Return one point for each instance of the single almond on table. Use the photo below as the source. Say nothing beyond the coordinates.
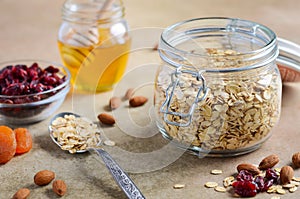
(59, 187)
(137, 101)
(114, 103)
(296, 159)
(155, 47)
(286, 174)
(129, 93)
(268, 162)
(43, 177)
(249, 167)
(22, 194)
(106, 118)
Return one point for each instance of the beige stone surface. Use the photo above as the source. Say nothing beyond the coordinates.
(28, 30)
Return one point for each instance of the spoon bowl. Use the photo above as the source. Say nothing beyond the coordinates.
(120, 176)
(62, 115)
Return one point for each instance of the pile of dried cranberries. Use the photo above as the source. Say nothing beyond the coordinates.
(246, 185)
(20, 80)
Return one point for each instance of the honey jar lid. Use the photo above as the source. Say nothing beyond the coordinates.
(288, 60)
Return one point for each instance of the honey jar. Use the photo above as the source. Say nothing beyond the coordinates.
(94, 43)
(218, 90)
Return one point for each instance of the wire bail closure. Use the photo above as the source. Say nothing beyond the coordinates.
(201, 95)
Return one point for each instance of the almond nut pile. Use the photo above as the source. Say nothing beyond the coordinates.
(43, 178)
(239, 110)
(115, 102)
(251, 179)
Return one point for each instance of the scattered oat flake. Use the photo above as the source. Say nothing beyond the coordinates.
(293, 189)
(229, 178)
(281, 191)
(273, 189)
(287, 186)
(297, 179)
(216, 171)
(277, 169)
(178, 186)
(275, 197)
(220, 189)
(226, 184)
(295, 183)
(228, 181)
(211, 184)
(109, 143)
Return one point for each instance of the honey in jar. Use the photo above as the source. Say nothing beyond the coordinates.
(94, 43)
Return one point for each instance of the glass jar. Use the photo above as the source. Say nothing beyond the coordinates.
(218, 91)
(288, 60)
(93, 41)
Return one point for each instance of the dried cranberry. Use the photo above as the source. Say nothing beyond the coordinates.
(262, 184)
(7, 101)
(272, 175)
(33, 74)
(20, 101)
(48, 80)
(52, 69)
(19, 73)
(268, 184)
(36, 68)
(244, 175)
(245, 188)
(13, 89)
(37, 88)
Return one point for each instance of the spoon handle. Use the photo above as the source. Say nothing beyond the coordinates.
(123, 180)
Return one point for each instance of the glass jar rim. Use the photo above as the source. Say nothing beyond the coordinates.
(96, 12)
(270, 46)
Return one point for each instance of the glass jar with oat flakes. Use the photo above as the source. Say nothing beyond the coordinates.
(218, 91)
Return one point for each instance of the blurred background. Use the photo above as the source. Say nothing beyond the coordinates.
(29, 27)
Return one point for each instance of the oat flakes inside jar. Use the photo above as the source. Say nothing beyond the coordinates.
(218, 91)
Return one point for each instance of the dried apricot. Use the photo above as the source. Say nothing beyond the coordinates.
(24, 140)
(7, 144)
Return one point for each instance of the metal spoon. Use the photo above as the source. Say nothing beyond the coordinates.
(120, 176)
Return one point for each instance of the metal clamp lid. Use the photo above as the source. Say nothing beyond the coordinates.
(200, 96)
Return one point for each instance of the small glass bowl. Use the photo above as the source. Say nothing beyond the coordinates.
(43, 103)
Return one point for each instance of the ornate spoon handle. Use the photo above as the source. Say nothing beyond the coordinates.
(123, 180)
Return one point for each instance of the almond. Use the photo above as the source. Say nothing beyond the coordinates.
(155, 47)
(296, 159)
(249, 167)
(137, 101)
(59, 187)
(268, 162)
(129, 93)
(44, 177)
(286, 174)
(21, 194)
(106, 119)
(114, 103)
